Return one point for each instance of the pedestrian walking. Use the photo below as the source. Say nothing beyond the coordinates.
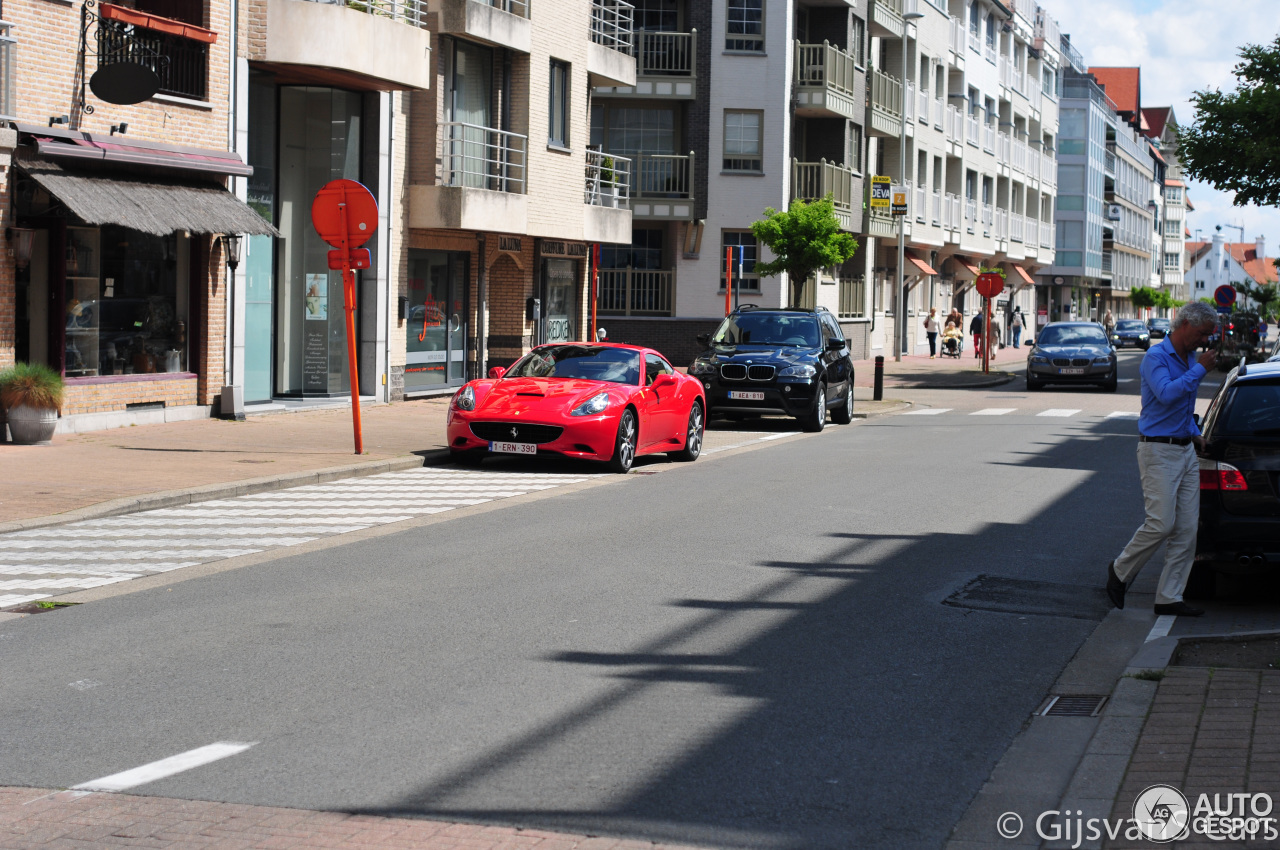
(1262, 331)
(931, 331)
(975, 328)
(1015, 325)
(994, 339)
(1109, 322)
(956, 318)
(1167, 462)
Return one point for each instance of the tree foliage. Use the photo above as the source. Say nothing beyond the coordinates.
(805, 238)
(1234, 144)
(1262, 296)
(1145, 296)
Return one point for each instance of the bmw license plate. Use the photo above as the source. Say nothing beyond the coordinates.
(514, 448)
(1070, 371)
(745, 396)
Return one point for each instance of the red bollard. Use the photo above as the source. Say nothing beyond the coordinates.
(879, 388)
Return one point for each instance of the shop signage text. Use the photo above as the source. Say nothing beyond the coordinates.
(554, 248)
(510, 244)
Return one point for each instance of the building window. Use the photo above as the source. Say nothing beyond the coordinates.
(745, 26)
(558, 132)
(744, 241)
(857, 40)
(853, 154)
(742, 141)
(1172, 260)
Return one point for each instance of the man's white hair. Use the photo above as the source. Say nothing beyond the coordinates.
(1197, 313)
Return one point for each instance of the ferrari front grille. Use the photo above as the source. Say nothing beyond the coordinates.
(516, 432)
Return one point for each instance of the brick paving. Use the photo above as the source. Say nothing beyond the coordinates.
(40, 818)
(1209, 731)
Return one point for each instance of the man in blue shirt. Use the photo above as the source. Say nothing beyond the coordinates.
(1167, 461)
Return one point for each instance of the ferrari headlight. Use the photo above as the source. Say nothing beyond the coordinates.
(596, 404)
(465, 399)
(800, 371)
(702, 367)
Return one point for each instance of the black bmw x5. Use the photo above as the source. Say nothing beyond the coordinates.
(788, 362)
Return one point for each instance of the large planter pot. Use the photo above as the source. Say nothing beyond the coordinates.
(32, 427)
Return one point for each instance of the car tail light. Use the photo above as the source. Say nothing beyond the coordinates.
(1221, 476)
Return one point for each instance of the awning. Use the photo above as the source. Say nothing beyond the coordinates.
(151, 206)
(1022, 273)
(924, 267)
(75, 145)
(967, 265)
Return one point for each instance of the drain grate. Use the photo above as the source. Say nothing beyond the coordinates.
(1005, 595)
(1084, 705)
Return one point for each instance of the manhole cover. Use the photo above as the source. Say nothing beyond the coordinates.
(1023, 596)
(1081, 705)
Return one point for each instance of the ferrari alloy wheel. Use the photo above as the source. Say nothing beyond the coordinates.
(816, 420)
(624, 447)
(843, 414)
(693, 436)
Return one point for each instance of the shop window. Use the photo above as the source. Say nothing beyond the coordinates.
(435, 324)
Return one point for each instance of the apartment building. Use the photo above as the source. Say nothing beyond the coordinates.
(738, 106)
(1107, 243)
(114, 193)
(1161, 127)
(979, 105)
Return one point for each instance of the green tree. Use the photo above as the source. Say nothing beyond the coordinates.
(805, 238)
(1234, 143)
(1145, 296)
(1263, 296)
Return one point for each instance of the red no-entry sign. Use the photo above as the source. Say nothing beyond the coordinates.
(345, 214)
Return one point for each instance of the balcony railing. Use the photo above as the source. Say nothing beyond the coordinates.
(970, 214)
(1020, 151)
(988, 217)
(989, 52)
(412, 12)
(853, 297)
(955, 124)
(181, 63)
(813, 180)
(666, 54)
(1001, 227)
(1048, 169)
(827, 65)
(922, 106)
(613, 24)
(1016, 225)
(1106, 261)
(988, 138)
(886, 92)
(1110, 162)
(1004, 148)
(951, 211)
(636, 292)
(975, 42)
(1020, 81)
(971, 129)
(937, 209)
(909, 102)
(1034, 95)
(956, 36)
(608, 180)
(1006, 71)
(922, 211)
(482, 157)
(662, 176)
(1046, 234)
(8, 52)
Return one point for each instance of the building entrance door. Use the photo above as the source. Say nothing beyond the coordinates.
(435, 345)
(561, 278)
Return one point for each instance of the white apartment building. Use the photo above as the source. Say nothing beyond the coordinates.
(981, 118)
(1161, 126)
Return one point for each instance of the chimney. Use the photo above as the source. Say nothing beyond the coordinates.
(1261, 247)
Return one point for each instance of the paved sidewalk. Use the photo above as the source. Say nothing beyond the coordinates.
(31, 817)
(923, 372)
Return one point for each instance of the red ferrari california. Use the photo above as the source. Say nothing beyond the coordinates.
(596, 401)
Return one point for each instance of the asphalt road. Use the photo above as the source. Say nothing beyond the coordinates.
(748, 651)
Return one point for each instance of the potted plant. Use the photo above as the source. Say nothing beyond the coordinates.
(608, 183)
(31, 395)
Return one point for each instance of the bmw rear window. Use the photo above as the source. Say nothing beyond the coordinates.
(1253, 410)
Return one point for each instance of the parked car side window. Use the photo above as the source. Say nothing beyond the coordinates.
(655, 366)
(833, 330)
(1252, 411)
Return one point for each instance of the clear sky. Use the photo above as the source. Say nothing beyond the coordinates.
(1182, 46)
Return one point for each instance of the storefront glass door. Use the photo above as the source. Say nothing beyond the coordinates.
(435, 330)
(562, 300)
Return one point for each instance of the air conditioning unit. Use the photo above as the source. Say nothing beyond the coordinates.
(1113, 212)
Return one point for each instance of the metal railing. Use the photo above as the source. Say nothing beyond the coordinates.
(482, 157)
(886, 92)
(813, 180)
(662, 176)
(988, 138)
(608, 181)
(853, 297)
(1106, 261)
(1110, 162)
(951, 211)
(895, 6)
(937, 209)
(666, 54)
(637, 292)
(613, 24)
(971, 129)
(181, 63)
(412, 12)
(519, 8)
(829, 66)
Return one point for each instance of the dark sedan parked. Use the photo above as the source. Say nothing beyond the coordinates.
(1072, 353)
(1240, 478)
(1131, 332)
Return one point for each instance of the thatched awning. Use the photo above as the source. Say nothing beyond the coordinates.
(158, 207)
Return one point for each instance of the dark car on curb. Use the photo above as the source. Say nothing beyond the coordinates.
(1158, 328)
(1239, 531)
(1131, 332)
(1072, 353)
(787, 362)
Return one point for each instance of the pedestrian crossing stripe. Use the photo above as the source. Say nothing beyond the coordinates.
(1059, 411)
(929, 411)
(993, 411)
(1053, 412)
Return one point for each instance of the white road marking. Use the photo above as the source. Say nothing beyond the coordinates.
(1059, 411)
(9, 600)
(84, 684)
(1125, 380)
(993, 411)
(779, 436)
(1161, 629)
(931, 411)
(1122, 414)
(165, 767)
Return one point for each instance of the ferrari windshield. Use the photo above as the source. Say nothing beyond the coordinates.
(1072, 335)
(768, 329)
(589, 362)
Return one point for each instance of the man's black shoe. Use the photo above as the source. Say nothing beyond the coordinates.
(1115, 587)
(1180, 609)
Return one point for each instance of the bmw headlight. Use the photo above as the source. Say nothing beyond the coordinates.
(465, 399)
(1142, 336)
(803, 370)
(1039, 358)
(702, 367)
(596, 404)
(1102, 361)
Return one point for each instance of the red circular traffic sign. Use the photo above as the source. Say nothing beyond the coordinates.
(361, 213)
(989, 284)
(1225, 295)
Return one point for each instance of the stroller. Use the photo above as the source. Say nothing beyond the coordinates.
(951, 346)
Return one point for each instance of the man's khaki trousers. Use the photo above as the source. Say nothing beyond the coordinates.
(1171, 486)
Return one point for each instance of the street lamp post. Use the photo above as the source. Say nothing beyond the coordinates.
(901, 347)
